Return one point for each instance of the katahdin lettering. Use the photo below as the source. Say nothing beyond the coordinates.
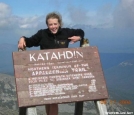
(55, 56)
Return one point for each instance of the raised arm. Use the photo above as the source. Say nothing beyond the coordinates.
(31, 41)
(75, 35)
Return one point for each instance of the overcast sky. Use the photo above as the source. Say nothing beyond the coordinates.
(107, 21)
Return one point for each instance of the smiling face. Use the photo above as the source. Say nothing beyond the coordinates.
(53, 25)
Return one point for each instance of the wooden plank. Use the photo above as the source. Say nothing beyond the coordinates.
(58, 76)
(31, 111)
(101, 107)
(27, 110)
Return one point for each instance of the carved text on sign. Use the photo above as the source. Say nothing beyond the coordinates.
(58, 75)
(50, 56)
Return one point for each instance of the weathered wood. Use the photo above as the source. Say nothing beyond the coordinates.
(64, 75)
(27, 110)
(31, 111)
(101, 107)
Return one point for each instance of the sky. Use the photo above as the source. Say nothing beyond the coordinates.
(108, 24)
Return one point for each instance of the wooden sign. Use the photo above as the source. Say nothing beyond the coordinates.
(58, 76)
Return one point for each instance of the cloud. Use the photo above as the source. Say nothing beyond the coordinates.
(72, 15)
(124, 14)
(107, 16)
(12, 27)
(17, 26)
(5, 12)
(31, 22)
(104, 17)
(8, 20)
(101, 18)
(78, 15)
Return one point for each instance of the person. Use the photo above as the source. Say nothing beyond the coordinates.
(54, 36)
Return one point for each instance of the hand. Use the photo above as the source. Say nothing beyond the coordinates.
(74, 39)
(22, 43)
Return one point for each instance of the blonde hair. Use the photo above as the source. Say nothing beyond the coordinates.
(54, 15)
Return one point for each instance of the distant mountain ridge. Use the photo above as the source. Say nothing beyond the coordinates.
(109, 60)
(120, 78)
(120, 74)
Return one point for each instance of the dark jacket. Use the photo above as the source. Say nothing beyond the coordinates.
(46, 40)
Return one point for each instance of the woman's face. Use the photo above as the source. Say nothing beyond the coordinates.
(53, 25)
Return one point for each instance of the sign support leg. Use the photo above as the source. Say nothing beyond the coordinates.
(31, 111)
(27, 111)
(22, 110)
(78, 108)
(101, 107)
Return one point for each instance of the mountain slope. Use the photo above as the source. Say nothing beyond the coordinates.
(120, 80)
(121, 75)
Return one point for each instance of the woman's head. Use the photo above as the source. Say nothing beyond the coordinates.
(53, 21)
